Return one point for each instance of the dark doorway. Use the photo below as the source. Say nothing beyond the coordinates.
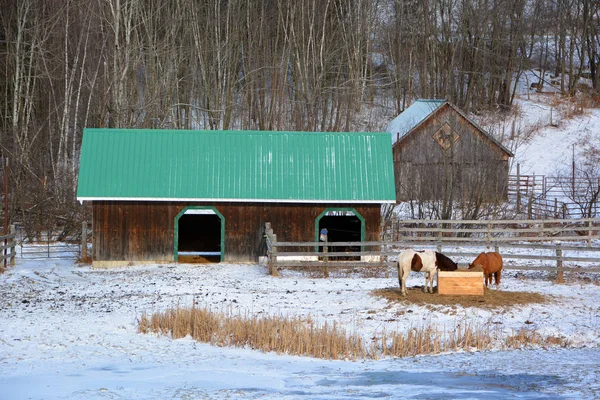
(199, 238)
(342, 228)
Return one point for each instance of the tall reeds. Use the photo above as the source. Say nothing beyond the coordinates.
(305, 337)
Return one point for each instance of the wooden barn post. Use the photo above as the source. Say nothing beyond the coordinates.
(84, 235)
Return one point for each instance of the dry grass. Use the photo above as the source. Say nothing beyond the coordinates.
(491, 298)
(304, 337)
(269, 334)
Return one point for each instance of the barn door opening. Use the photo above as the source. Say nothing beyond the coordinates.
(342, 225)
(199, 235)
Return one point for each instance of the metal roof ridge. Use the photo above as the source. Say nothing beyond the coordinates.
(234, 131)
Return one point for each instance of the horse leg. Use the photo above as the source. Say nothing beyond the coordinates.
(498, 276)
(431, 274)
(428, 282)
(431, 282)
(402, 278)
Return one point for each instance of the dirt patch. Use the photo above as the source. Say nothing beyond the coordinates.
(491, 298)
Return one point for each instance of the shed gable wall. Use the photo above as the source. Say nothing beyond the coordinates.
(473, 166)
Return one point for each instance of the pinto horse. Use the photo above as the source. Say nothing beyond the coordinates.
(491, 264)
(444, 263)
(422, 261)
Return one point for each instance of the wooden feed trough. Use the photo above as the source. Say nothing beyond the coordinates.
(466, 283)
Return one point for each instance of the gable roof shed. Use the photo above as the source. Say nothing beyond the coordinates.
(236, 166)
(420, 111)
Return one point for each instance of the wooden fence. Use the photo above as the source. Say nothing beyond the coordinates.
(560, 241)
(8, 244)
(540, 196)
(586, 229)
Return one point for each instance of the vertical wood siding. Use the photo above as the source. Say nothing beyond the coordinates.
(139, 231)
(423, 169)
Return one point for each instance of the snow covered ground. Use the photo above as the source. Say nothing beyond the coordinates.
(69, 332)
(551, 148)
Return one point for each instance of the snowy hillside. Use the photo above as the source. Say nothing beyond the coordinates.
(550, 148)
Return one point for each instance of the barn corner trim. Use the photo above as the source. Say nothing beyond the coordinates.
(176, 229)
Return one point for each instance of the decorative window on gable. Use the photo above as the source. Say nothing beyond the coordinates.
(446, 136)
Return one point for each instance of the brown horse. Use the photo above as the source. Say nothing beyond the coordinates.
(491, 264)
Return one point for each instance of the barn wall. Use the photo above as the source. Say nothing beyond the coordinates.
(424, 170)
(138, 231)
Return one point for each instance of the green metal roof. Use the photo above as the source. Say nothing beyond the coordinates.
(167, 165)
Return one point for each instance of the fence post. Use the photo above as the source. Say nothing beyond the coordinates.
(273, 265)
(589, 233)
(544, 186)
(384, 258)
(84, 240)
(560, 278)
(518, 188)
(439, 245)
(13, 231)
(326, 259)
(489, 236)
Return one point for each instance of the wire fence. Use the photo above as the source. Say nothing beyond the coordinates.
(47, 245)
(540, 196)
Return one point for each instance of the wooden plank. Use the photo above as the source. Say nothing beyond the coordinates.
(495, 230)
(528, 257)
(464, 283)
(341, 264)
(330, 253)
(497, 221)
(416, 239)
(8, 255)
(460, 274)
(7, 237)
(329, 244)
(535, 246)
(7, 246)
(550, 269)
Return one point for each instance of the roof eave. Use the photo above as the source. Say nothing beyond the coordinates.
(233, 200)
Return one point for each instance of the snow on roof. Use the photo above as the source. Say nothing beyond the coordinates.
(419, 111)
(411, 117)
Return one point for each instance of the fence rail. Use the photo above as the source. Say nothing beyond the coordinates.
(586, 229)
(559, 241)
